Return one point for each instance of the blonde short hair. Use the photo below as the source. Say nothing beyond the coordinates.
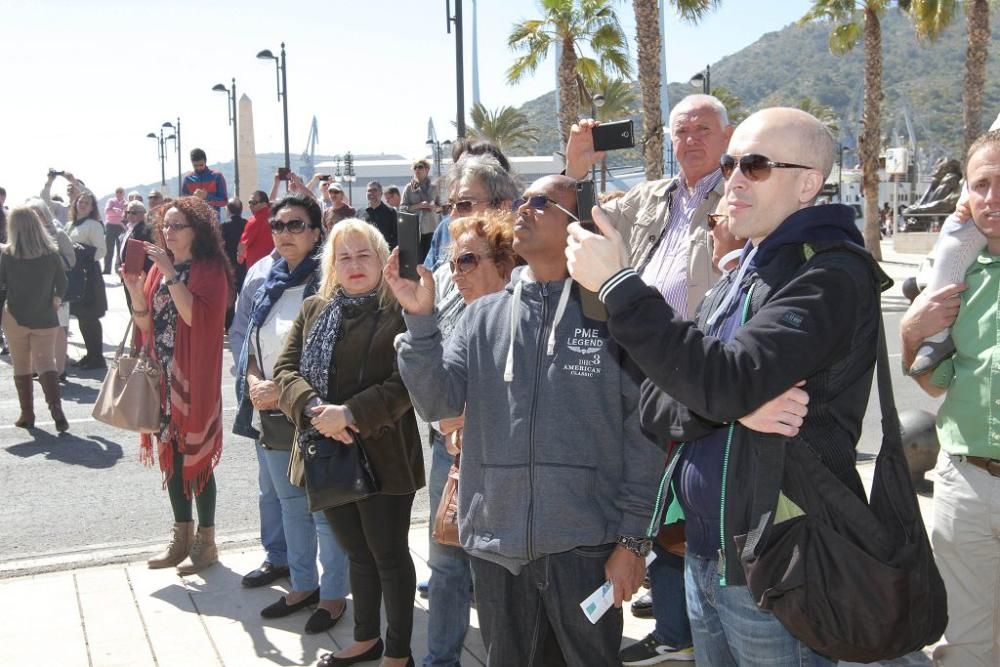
(330, 283)
(27, 236)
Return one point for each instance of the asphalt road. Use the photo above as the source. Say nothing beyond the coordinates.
(84, 495)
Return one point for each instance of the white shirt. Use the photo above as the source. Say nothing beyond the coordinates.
(89, 232)
(273, 332)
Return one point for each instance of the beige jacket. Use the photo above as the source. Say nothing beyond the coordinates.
(640, 217)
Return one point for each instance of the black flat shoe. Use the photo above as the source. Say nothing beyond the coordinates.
(82, 361)
(374, 653)
(265, 575)
(281, 608)
(322, 620)
(95, 365)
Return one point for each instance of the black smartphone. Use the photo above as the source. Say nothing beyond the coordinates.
(586, 199)
(283, 173)
(408, 236)
(613, 136)
(585, 202)
(325, 177)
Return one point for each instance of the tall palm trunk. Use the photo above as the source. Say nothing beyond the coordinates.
(569, 90)
(977, 15)
(871, 131)
(604, 174)
(647, 22)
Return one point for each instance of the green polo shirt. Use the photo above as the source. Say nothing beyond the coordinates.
(968, 421)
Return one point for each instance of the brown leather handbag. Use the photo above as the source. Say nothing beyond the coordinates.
(446, 517)
(130, 394)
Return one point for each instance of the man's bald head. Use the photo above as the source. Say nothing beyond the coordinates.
(559, 187)
(804, 139)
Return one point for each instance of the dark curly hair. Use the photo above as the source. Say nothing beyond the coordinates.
(207, 244)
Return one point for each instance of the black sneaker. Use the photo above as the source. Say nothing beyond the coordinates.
(651, 652)
(643, 606)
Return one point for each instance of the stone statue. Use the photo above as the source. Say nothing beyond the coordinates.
(942, 194)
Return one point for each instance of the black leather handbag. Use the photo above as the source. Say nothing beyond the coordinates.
(340, 472)
(276, 430)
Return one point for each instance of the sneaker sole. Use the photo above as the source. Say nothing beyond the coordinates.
(657, 659)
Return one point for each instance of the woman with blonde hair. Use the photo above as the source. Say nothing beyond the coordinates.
(32, 273)
(337, 379)
(68, 255)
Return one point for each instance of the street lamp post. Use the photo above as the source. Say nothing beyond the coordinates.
(437, 152)
(596, 102)
(161, 154)
(231, 94)
(703, 80)
(459, 64)
(281, 74)
(176, 137)
(349, 176)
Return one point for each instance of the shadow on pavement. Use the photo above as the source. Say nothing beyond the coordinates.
(91, 452)
(79, 393)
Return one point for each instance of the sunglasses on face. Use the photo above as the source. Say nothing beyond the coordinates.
(464, 263)
(175, 226)
(464, 206)
(292, 226)
(539, 203)
(755, 167)
(716, 219)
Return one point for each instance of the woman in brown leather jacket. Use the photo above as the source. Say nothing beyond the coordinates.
(337, 374)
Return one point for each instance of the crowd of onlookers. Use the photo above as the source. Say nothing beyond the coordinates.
(561, 357)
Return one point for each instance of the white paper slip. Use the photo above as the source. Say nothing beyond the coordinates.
(598, 602)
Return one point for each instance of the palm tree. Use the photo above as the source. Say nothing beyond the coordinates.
(734, 105)
(648, 45)
(821, 112)
(508, 128)
(862, 19)
(619, 102)
(977, 18)
(573, 24)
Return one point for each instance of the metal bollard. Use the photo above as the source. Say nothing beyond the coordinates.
(920, 443)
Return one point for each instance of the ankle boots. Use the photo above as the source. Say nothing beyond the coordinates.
(50, 387)
(25, 396)
(203, 552)
(177, 550)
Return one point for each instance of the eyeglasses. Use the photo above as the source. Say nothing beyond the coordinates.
(539, 202)
(464, 263)
(292, 226)
(174, 226)
(716, 219)
(464, 206)
(755, 167)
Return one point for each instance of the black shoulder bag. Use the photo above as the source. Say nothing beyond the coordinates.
(276, 430)
(853, 580)
(337, 473)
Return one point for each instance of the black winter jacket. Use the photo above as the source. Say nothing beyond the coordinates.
(813, 315)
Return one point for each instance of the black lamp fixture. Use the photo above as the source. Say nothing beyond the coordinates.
(176, 138)
(231, 104)
(161, 155)
(703, 80)
(281, 74)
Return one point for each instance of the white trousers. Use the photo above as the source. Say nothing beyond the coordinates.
(966, 540)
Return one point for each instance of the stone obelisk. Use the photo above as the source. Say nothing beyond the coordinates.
(248, 153)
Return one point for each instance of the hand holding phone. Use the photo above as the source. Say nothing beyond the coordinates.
(613, 136)
(283, 173)
(585, 202)
(408, 237)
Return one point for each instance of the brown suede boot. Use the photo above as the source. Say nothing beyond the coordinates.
(203, 552)
(26, 397)
(50, 387)
(177, 550)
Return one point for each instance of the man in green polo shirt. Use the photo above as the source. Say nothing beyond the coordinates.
(966, 533)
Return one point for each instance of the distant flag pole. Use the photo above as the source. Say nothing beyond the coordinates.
(668, 144)
(475, 53)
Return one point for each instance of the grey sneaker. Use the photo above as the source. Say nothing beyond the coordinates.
(930, 354)
(651, 652)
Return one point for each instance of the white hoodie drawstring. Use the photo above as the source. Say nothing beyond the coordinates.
(515, 307)
(734, 289)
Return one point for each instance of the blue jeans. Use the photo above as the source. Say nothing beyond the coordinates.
(730, 629)
(303, 531)
(448, 595)
(272, 534)
(520, 614)
(666, 579)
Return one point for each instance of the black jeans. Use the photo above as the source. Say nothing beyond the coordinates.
(93, 336)
(373, 532)
(519, 615)
(111, 234)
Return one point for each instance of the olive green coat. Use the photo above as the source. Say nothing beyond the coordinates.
(379, 402)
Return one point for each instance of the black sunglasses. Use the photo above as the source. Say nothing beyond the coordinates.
(463, 206)
(755, 167)
(539, 202)
(464, 263)
(292, 226)
(716, 219)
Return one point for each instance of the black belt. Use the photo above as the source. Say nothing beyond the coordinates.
(992, 466)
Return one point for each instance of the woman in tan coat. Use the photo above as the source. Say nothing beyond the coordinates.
(337, 375)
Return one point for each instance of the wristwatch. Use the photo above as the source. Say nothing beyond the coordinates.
(640, 546)
(172, 281)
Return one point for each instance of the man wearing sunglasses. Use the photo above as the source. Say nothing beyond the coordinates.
(256, 241)
(802, 305)
(558, 480)
(667, 227)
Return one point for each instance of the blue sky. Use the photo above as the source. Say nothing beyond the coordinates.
(85, 82)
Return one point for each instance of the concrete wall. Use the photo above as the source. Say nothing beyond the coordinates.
(917, 243)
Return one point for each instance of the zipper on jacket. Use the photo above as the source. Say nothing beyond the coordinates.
(531, 426)
(721, 565)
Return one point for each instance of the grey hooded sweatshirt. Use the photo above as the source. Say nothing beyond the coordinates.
(553, 457)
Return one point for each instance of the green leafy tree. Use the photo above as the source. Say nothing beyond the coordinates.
(861, 20)
(506, 127)
(823, 113)
(649, 47)
(733, 104)
(574, 24)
